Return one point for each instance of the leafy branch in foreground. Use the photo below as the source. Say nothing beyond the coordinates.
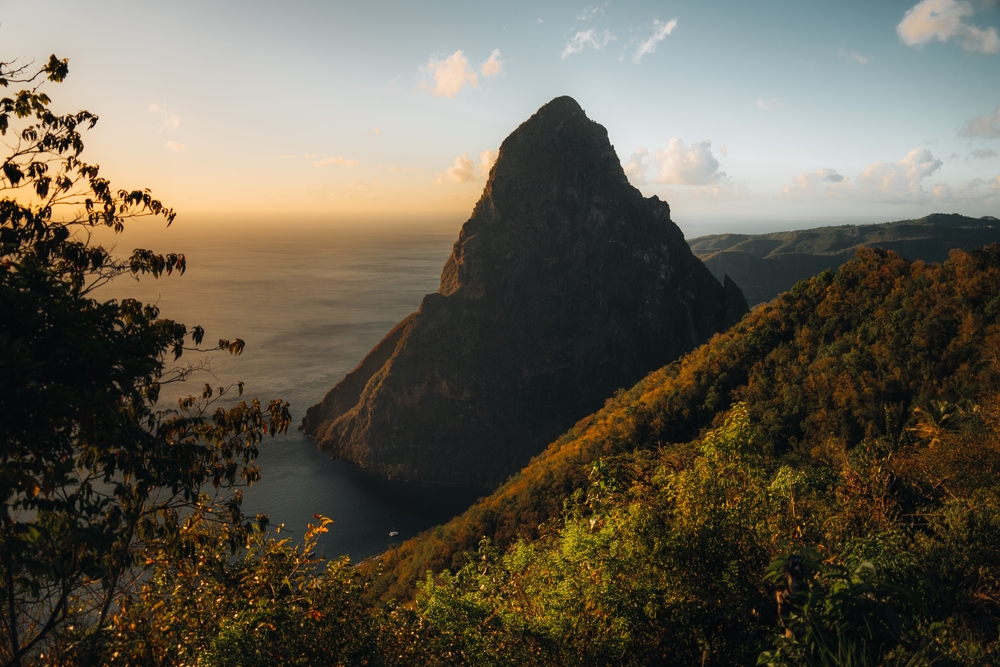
(95, 479)
(838, 617)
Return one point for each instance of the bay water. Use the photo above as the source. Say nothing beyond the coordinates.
(310, 301)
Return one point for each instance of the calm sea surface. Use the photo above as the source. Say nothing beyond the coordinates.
(310, 302)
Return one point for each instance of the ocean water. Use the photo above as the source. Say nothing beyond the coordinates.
(310, 301)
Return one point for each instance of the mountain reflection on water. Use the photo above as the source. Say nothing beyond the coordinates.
(310, 301)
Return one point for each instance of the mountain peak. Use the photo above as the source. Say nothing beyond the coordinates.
(564, 285)
(557, 146)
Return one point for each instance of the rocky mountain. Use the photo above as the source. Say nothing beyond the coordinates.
(764, 265)
(565, 285)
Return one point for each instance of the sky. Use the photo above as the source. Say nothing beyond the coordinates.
(738, 113)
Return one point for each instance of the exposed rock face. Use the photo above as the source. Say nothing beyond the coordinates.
(564, 285)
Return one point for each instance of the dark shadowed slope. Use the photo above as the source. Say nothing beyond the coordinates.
(564, 285)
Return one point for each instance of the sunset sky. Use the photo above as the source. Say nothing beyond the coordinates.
(735, 112)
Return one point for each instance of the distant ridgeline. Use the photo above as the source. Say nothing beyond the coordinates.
(842, 359)
(565, 285)
(764, 265)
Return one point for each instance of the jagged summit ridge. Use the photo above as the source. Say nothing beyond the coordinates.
(564, 285)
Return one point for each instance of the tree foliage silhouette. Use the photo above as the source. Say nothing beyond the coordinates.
(94, 474)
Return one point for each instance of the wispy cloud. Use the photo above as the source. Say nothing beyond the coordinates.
(323, 160)
(986, 126)
(450, 75)
(944, 20)
(766, 105)
(660, 32)
(492, 65)
(854, 56)
(170, 121)
(377, 131)
(822, 182)
(176, 146)
(588, 12)
(584, 38)
(335, 161)
(984, 153)
(360, 190)
(723, 150)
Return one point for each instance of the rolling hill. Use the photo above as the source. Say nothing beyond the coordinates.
(764, 265)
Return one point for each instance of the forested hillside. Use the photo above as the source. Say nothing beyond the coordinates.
(841, 357)
(764, 265)
(816, 486)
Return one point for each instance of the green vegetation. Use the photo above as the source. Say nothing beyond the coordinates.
(863, 532)
(714, 552)
(764, 265)
(840, 358)
(817, 486)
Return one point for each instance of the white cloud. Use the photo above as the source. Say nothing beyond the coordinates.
(492, 65)
(176, 146)
(337, 161)
(318, 161)
(585, 38)
(660, 32)
(943, 20)
(588, 12)
(636, 167)
(170, 121)
(450, 75)
(986, 126)
(723, 150)
(464, 170)
(822, 182)
(461, 171)
(377, 131)
(896, 182)
(676, 164)
(486, 161)
(976, 190)
(766, 105)
(853, 55)
(984, 153)
(899, 182)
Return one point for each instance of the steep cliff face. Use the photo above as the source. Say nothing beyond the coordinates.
(564, 285)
